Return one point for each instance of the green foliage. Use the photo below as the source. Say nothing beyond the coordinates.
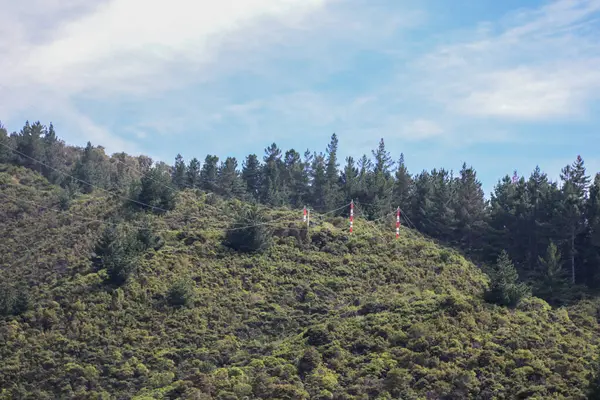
(155, 192)
(505, 286)
(309, 361)
(331, 315)
(250, 233)
(553, 285)
(13, 300)
(147, 237)
(181, 293)
(116, 253)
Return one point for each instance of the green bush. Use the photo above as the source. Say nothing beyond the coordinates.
(13, 301)
(250, 233)
(181, 293)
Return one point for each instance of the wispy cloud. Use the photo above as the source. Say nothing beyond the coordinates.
(230, 77)
(533, 65)
(120, 48)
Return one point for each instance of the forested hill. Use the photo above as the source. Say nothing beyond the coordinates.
(121, 278)
(531, 218)
(215, 300)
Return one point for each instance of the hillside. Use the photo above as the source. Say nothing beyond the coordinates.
(329, 316)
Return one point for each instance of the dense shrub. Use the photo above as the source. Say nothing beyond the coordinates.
(250, 233)
(181, 293)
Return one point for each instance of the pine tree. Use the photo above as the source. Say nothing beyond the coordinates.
(272, 183)
(52, 148)
(538, 224)
(229, 181)
(553, 282)
(113, 254)
(402, 184)
(349, 180)
(209, 173)
(441, 212)
(505, 288)
(332, 190)
(296, 179)
(252, 176)
(363, 191)
(178, 178)
(382, 183)
(470, 209)
(592, 244)
(5, 145)
(155, 191)
(319, 183)
(421, 207)
(29, 143)
(574, 188)
(192, 174)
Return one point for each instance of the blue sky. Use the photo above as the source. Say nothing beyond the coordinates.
(500, 85)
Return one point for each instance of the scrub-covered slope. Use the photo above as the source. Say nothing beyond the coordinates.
(328, 315)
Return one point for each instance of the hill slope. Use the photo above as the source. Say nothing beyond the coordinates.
(333, 316)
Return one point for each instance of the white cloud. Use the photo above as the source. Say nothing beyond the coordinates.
(535, 65)
(422, 129)
(118, 47)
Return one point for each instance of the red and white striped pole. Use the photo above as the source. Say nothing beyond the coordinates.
(305, 215)
(351, 215)
(398, 223)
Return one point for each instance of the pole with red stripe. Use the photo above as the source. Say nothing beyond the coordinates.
(305, 215)
(351, 215)
(398, 223)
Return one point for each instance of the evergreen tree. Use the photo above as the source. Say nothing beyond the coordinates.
(319, 183)
(421, 207)
(538, 225)
(113, 254)
(13, 300)
(93, 167)
(250, 233)
(29, 144)
(553, 282)
(178, 178)
(503, 230)
(296, 179)
(505, 288)
(229, 181)
(252, 176)
(5, 145)
(349, 180)
(470, 209)
(155, 191)
(332, 190)
(441, 212)
(272, 183)
(52, 148)
(382, 184)
(363, 189)
(575, 182)
(209, 173)
(591, 254)
(193, 174)
(402, 184)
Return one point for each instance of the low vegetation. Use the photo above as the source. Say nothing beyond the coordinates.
(103, 301)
